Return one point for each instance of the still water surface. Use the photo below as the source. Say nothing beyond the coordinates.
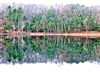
(53, 49)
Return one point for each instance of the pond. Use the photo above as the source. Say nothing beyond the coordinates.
(40, 34)
(54, 49)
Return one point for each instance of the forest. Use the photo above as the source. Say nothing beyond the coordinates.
(17, 21)
(51, 19)
(49, 49)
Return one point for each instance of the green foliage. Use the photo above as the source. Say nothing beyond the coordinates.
(69, 29)
(56, 21)
(48, 14)
(13, 50)
(13, 17)
(52, 20)
(63, 21)
(54, 46)
(98, 29)
(34, 23)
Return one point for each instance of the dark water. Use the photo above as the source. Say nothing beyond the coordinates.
(49, 49)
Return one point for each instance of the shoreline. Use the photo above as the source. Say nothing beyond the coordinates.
(83, 34)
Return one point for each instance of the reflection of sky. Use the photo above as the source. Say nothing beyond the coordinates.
(86, 2)
(86, 67)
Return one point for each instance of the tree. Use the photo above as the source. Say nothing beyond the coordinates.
(13, 17)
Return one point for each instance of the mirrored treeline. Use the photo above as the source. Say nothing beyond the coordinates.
(50, 49)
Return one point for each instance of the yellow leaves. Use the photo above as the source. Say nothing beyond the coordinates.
(69, 40)
(79, 43)
(85, 49)
(34, 42)
(79, 25)
(34, 26)
(69, 29)
(85, 21)
(97, 50)
(97, 19)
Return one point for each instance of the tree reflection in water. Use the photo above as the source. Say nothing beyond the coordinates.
(50, 49)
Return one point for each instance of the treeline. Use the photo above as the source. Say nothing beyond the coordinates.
(60, 23)
(14, 19)
(75, 50)
(13, 50)
(50, 48)
(56, 19)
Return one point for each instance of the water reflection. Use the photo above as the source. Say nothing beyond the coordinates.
(56, 49)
